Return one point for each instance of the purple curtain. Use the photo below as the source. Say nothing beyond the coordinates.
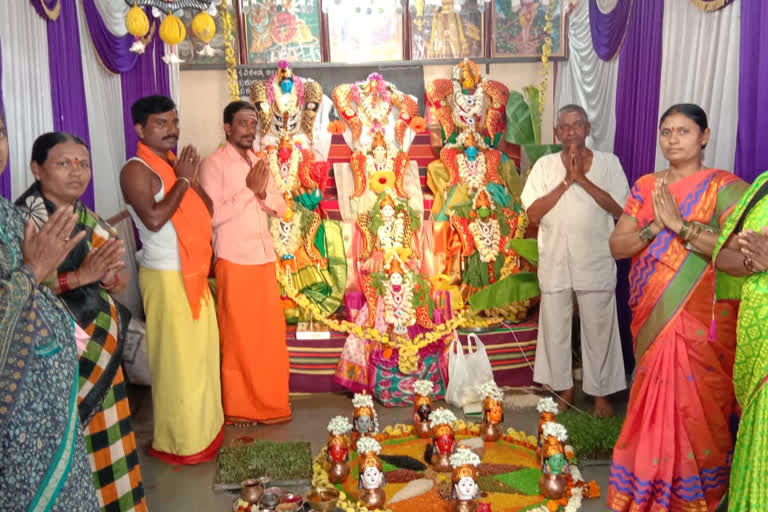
(113, 51)
(751, 157)
(608, 29)
(150, 76)
(5, 177)
(637, 108)
(70, 112)
(48, 9)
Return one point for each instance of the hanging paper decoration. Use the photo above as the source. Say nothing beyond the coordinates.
(137, 24)
(204, 28)
(172, 32)
(172, 6)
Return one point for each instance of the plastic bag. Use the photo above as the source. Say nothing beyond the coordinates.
(467, 372)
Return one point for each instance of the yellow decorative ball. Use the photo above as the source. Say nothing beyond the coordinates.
(172, 30)
(136, 22)
(203, 26)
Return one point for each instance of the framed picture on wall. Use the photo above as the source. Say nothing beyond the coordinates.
(362, 35)
(189, 49)
(518, 28)
(281, 30)
(446, 34)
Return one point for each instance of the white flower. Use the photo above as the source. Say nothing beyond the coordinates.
(547, 405)
(339, 425)
(441, 417)
(555, 430)
(464, 457)
(362, 400)
(368, 445)
(490, 389)
(423, 387)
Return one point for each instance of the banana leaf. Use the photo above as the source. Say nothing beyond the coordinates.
(531, 95)
(511, 177)
(526, 248)
(513, 288)
(519, 124)
(536, 151)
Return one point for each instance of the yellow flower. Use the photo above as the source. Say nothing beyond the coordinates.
(381, 181)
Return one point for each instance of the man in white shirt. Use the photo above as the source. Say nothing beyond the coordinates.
(575, 196)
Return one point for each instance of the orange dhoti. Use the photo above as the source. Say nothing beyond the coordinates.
(254, 354)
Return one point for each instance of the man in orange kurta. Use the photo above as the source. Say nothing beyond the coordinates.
(254, 355)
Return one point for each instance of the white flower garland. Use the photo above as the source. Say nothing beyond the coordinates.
(362, 400)
(487, 236)
(285, 183)
(400, 302)
(547, 404)
(555, 430)
(368, 445)
(464, 457)
(469, 104)
(423, 387)
(441, 417)
(391, 233)
(339, 425)
(286, 241)
(472, 174)
(371, 168)
(490, 389)
(374, 114)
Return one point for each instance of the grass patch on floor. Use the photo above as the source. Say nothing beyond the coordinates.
(278, 461)
(591, 437)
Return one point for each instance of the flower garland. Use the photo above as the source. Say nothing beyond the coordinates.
(371, 168)
(362, 400)
(489, 389)
(285, 183)
(399, 306)
(472, 174)
(487, 236)
(229, 52)
(547, 404)
(368, 445)
(391, 234)
(423, 387)
(555, 430)
(464, 457)
(286, 242)
(546, 51)
(339, 425)
(441, 417)
(469, 104)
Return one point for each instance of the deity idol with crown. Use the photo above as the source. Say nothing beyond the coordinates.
(553, 482)
(443, 439)
(365, 422)
(469, 239)
(371, 474)
(493, 411)
(294, 140)
(338, 449)
(378, 123)
(422, 407)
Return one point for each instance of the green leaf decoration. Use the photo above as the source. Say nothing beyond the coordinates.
(513, 288)
(511, 177)
(377, 282)
(519, 124)
(462, 209)
(526, 248)
(536, 151)
(531, 95)
(526, 481)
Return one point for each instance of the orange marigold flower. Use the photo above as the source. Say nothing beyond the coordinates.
(337, 127)
(418, 124)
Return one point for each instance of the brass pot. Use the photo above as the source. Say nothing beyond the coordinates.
(338, 472)
(323, 499)
(553, 486)
(441, 462)
(490, 431)
(423, 429)
(373, 499)
(464, 506)
(251, 490)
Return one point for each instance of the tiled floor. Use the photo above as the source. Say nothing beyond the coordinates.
(190, 488)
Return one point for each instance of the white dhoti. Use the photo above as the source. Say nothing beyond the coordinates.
(603, 363)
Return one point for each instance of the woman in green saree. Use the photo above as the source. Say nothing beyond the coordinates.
(742, 250)
(43, 464)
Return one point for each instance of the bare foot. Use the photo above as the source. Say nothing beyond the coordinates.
(603, 407)
(565, 399)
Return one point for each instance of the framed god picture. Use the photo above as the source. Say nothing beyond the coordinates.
(445, 33)
(281, 30)
(372, 34)
(519, 28)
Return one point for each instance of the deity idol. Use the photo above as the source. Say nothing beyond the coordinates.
(338, 449)
(443, 439)
(464, 478)
(493, 411)
(293, 139)
(553, 481)
(371, 480)
(474, 212)
(422, 407)
(365, 422)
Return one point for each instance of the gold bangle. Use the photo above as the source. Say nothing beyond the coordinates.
(184, 178)
(684, 227)
(645, 233)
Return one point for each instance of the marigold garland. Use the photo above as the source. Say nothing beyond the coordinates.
(546, 52)
(229, 53)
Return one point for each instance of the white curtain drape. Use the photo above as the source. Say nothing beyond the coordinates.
(26, 86)
(103, 95)
(113, 13)
(701, 65)
(587, 80)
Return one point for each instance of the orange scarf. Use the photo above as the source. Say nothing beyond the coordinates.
(193, 229)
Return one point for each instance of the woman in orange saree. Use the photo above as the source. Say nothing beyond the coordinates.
(675, 447)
